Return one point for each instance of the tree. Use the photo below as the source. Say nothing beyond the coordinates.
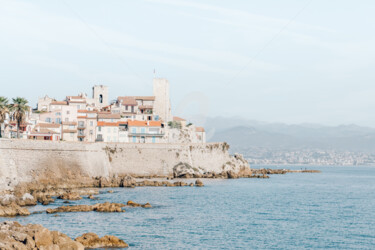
(4, 109)
(19, 108)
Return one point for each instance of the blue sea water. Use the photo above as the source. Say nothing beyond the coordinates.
(332, 209)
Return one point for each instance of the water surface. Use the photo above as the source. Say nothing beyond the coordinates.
(333, 209)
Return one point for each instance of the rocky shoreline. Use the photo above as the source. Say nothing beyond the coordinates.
(14, 203)
(16, 236)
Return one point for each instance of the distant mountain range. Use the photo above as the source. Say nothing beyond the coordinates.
(243, 134)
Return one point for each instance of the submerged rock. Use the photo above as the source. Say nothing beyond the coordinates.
(70, 196)
(99, 207)
(91, 240)
(13, 210)
(134, 204)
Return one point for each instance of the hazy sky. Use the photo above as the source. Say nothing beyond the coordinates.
(291, 61)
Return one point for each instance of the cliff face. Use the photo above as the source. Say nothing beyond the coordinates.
(23, 161)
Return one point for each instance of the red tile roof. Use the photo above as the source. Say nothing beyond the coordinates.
(199, 129)
(144, 124)
(145, 98)
(178, 119)
(109, 116)
(127, 100)
(59, 103)
(108, 124)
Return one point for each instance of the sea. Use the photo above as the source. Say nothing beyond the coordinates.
(332, 209)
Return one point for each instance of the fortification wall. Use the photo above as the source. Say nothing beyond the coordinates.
(27, 160)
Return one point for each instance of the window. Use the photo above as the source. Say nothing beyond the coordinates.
(134, 139)
(126, 107)
(108, 138)
(71, 126)
(100, 129)
(143, 130)
(92, 132)
(58, 114)
(91, 123)
(114, 139)
(48, 119)
(58, 120)
(100, 98)
(114, 130)
(67, 112)
(153, 139)
(134, 130)
(67, 119)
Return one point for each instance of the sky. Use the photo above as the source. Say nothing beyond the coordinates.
(291, 61)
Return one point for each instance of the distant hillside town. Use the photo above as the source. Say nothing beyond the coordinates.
(80, 118)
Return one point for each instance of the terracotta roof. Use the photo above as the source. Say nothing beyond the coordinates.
(127, 100)
(109, 116)
(48, 125)
(146, 107)
(108, 124)
(178, 119)
(122, 122)
(59, 103)
(82, 117)
(145, 98)
(74, 97)
(199, 129)
(144, 123)
(77, 101)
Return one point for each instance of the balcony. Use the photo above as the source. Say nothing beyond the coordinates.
(80, 134)
(147, 134)
(81, 126)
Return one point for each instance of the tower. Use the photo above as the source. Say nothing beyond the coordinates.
(162, 104)
(100, 95)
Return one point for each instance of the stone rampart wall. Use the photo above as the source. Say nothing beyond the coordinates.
(27, 160)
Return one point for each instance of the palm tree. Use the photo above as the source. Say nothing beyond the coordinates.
(4, 109)
(19, 108)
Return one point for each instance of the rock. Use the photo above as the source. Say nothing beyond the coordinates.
(27, 200)
(70, 196)
(110, 191)
(91, 240)
(128, 181)
(147, 205)
(15, 236)
(92, 197)
(184, 170)
(191, 185)
(13, 210)
(100, 207)
(232, 175)
(45, 199)
(199, 183)
(108, 207)
(76, 208)
(43, 238)
(180, 184)
(134, 204)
